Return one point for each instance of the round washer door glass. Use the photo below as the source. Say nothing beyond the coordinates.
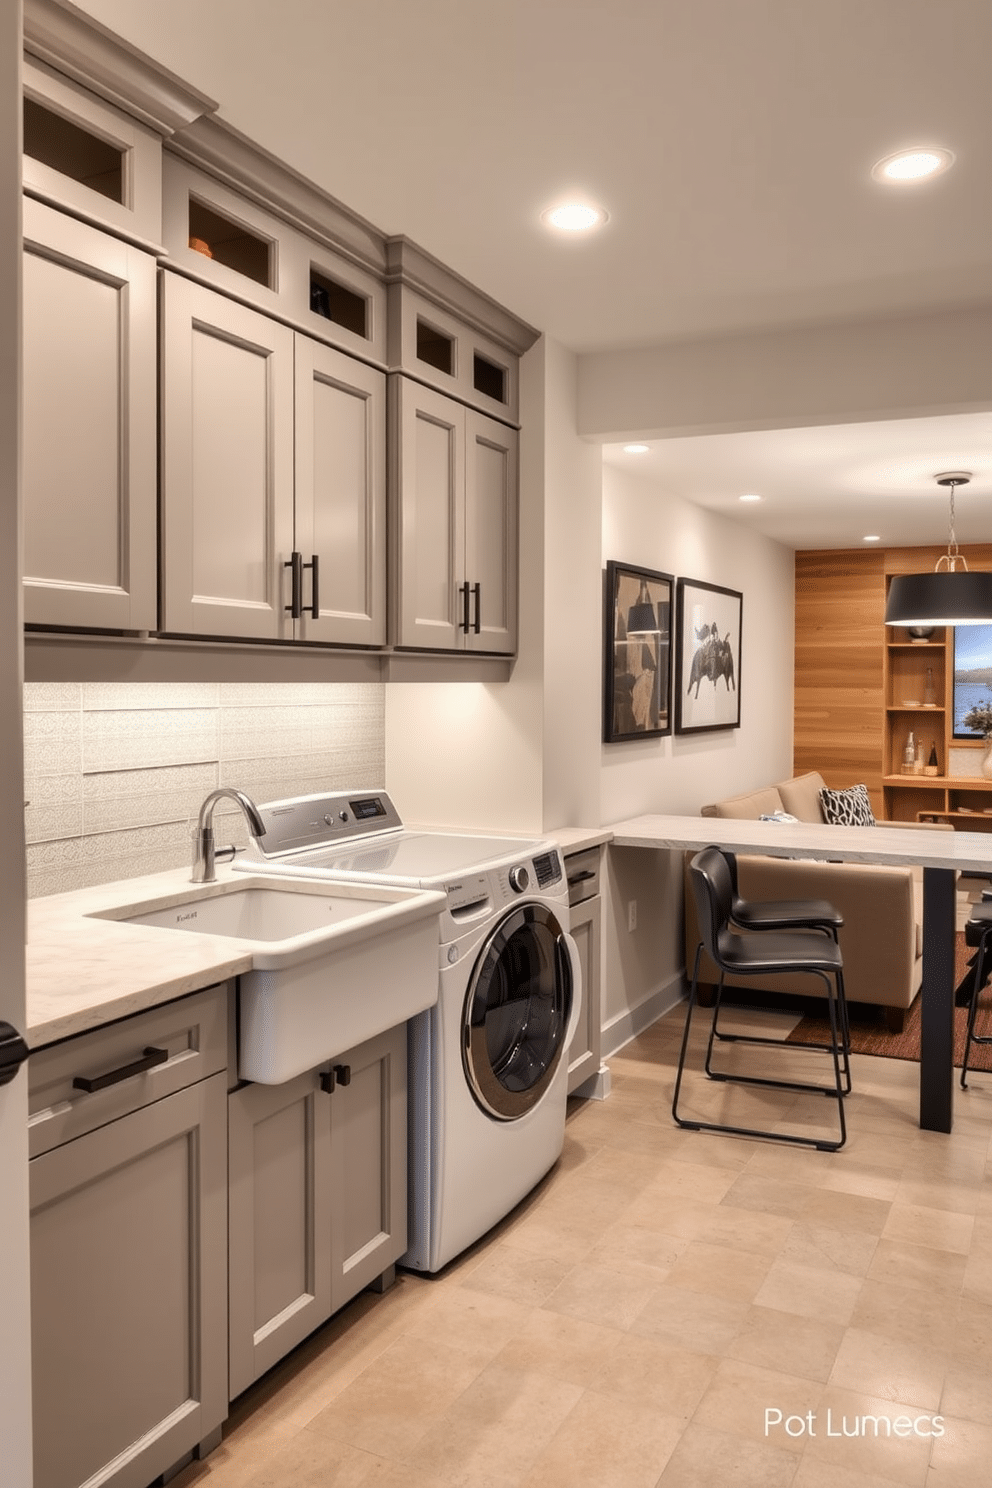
(516, 1012)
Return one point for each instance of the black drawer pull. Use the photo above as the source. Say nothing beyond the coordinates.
(151, 1058)
(574, 878)
(295, 607)
(327, 1081)
(343, 1072)
(314, 567)
(477, 625)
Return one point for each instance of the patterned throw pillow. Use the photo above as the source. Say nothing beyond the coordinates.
(847, 808)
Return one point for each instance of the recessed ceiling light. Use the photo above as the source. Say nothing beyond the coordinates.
(749, 498)
(871, 537)
(919, 164)
(635, 449)
(575, 217)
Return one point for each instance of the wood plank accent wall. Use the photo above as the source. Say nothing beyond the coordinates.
(839, 721)
(839, 702)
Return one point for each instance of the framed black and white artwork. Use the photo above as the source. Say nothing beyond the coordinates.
(638, 651)
(707, 657)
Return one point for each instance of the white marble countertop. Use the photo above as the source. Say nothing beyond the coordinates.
(83, 970)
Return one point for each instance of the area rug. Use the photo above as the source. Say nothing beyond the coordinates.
(869, 1034)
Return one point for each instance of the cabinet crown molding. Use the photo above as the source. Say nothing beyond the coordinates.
(412, 266)
(233, 158)
(60, 34)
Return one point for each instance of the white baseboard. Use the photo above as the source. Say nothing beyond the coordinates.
(598, 1086)
(628, 1024)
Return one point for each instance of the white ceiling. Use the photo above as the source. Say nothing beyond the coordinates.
(833, 485)
(730, 140)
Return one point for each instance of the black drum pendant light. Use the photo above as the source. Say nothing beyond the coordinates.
(951, 595)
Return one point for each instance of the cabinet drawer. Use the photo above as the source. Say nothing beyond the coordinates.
(582, 873)
(191, 1032)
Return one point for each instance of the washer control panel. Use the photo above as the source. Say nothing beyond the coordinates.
(323, 821)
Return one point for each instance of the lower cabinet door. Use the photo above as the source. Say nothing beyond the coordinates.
(128, 1303)
(280, 1221)
(317, 1197)
(369, 1163)
(585, 923)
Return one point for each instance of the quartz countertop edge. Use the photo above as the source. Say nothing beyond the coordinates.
(83, 970)
(878, 844)
(576, 839)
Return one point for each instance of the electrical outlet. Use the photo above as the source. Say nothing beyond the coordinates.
(631, 915)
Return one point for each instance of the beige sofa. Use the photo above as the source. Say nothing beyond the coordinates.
(881, 941)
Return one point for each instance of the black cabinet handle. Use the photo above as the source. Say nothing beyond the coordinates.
(314, 567)
(576, 878)
(13, 1052)
(295, 606)
(477, 591)
(464, 589)
(150, 1059)
(332, 1078)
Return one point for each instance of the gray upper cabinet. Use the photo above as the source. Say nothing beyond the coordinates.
(340, 495)
(89, 462)
(227, 466)
(82, 154)
(210, 460)
(221, 237)
(454, 524)
(273, 445)
(449, 335)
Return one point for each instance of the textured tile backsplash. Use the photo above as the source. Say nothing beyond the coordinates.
(115, 773)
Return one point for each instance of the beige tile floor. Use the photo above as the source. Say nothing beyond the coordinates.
(635, 1320)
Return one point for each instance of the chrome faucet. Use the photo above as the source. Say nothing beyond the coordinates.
(205, 854)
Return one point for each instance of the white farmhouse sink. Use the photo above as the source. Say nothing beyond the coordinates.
(262, 912)
(331, 965)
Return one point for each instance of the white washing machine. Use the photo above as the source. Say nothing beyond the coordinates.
(488, 1068)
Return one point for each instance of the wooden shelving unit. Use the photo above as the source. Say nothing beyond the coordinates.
(918, 682)
(855, 679)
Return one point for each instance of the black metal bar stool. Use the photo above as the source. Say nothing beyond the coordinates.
(768, 954)
(978, 933)
(790, 914)
(780, 914)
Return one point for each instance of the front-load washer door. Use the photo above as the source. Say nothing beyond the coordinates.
(516, 1012)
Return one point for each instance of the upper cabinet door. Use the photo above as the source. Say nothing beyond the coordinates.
(491, 533)
(89, 426)
(227, 466)
(340, 496)
(428, 517)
